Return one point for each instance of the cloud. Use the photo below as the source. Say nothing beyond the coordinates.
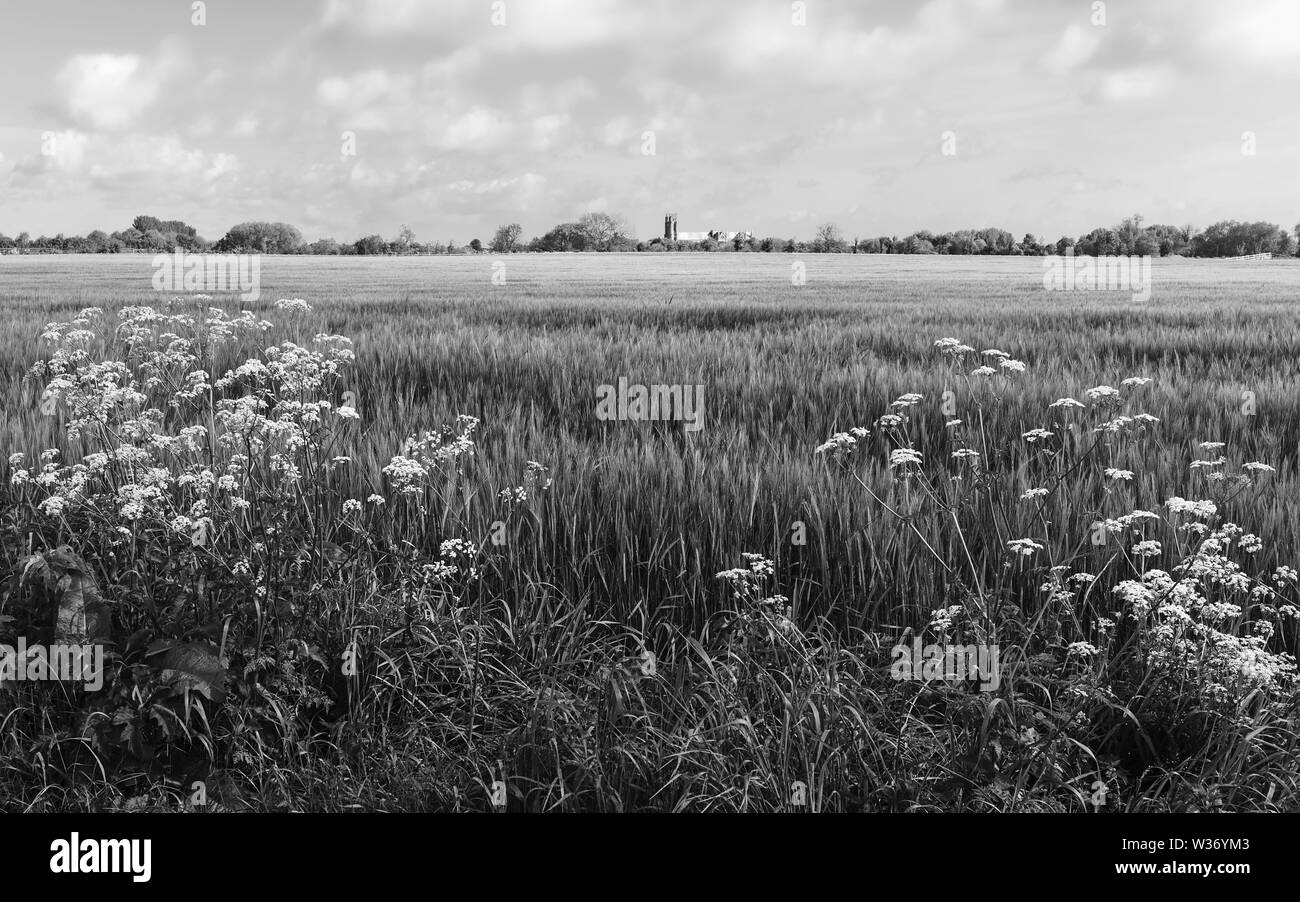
(1076, 47)
(1141, 83)
(549, 26)
(107, 91)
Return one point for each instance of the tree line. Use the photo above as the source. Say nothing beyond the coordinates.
(604, 232)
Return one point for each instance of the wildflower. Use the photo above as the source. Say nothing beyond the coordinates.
(965, 453)
(1102, 393)
(889, 420)
(1148, 548)
(347, 413)
(839, 443)
(376, 499)
(1065, 402)
(1013, 366)
(1032, 494)
(1024, 546)
(1257, 467)
(904, 456)
(1034, 435)
(907, 400)
(1135, 382)
(293, 305)
(951, 347)
(351, 506)
(983, 371)
(1081, 650)
(1113, 473)
(1211, 446)
(1199, 509)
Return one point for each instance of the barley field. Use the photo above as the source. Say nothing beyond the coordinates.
(622, 552)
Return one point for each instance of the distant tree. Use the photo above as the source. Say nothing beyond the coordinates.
(506, 239)
(1233, 239)
(260, 238)
(22, 241)
(1029, 245)
(828, 239)
(567, 236)
(1099, 243)
(996, 241)
(325, 246)
(405, 239)
(475, 245)
(371, 245)
(604, 231)
(790, 246)
(1169, 240)
(918, 244)
(1062, 244)
(98, 242)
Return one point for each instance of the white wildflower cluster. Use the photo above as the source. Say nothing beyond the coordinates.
(1024, 547)
(456, 564)
(1193, 625)
(760, 615)
(844, 443)
(409, 473)
(169, 453)
(533, 484)
(943, 619)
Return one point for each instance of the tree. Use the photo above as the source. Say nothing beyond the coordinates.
(828, 239)
(371, 245)
(1233, 239)
(567, 236)
(326, 246)
(475, 245)
(506, 240)
(260, 238)
(604, 230)
(405, 238)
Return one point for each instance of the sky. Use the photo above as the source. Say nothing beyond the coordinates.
(352, 117)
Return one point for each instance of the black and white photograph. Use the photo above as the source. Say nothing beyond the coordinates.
(732, 410)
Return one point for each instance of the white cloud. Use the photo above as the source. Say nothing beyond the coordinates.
(106, 91)
(479, 129)
(1141, 83)
(1076, 47)
(539, 25)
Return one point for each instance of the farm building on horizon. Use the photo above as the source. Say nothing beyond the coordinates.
(671, 233)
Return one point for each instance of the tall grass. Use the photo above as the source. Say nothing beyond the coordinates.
(621, 552)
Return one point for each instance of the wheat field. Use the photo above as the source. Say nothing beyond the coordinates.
(641, 517)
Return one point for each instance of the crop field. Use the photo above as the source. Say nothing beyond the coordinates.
(640, 518)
